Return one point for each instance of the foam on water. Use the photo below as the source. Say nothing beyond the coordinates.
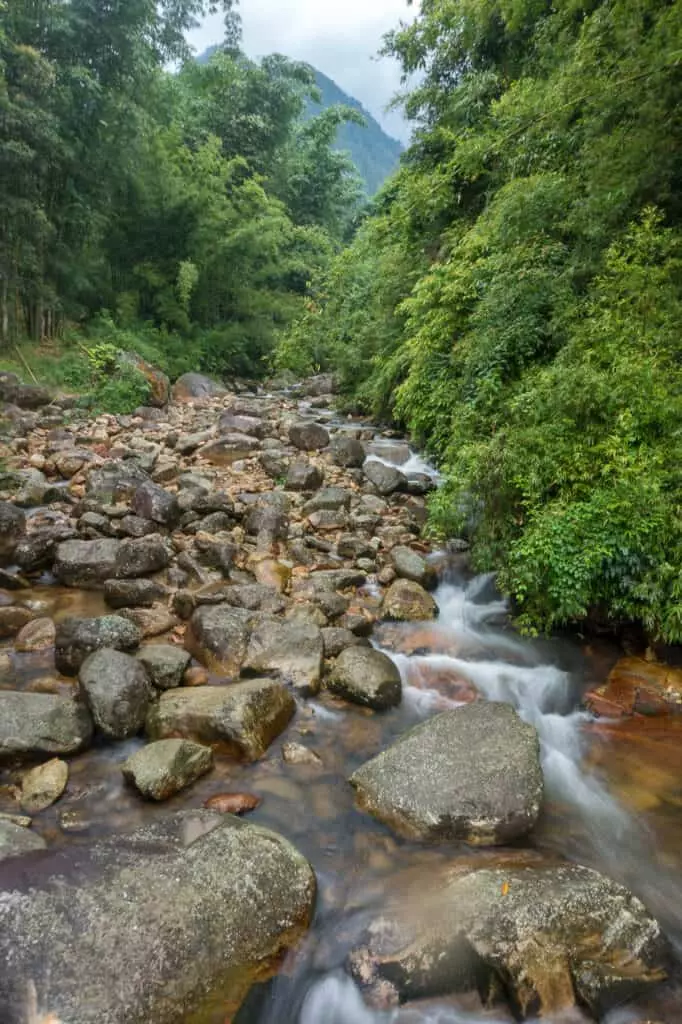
(415, 464)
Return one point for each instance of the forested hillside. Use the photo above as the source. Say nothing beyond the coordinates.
(375, 154)
(516, 299)
(194, 202)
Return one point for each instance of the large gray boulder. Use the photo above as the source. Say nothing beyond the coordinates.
(153, 502)
(165, 664)
(15, 840)
(549, 935)
(116, 481)
(42, 724)
(218, 636)
(303, 476)
(89, 563)
(471, 774)
(386, 479)
(161, 769)
(240, 720)
(407, 601)
(365, 676)
(117, 691)
(293, 650)
(77, 638)
(409, 565)
(348, 452)
(309, 437)
(12, 529)
(162, 925)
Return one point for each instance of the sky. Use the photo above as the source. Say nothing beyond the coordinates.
(339, 37)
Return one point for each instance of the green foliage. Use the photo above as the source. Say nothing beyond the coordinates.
(517, 295)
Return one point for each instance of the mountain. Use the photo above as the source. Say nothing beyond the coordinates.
(375, 154)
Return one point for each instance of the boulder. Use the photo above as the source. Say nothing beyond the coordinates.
(115, 481)
(240, 720)
(157, 381)
(86, 563)
(336, 639)
(153, 502)
(471, 774)
(385, 479)
(134, 593)
(15, 840)
(293, 650)
(30, 487)
(348, 452)
(218, 635)
(406, 601)
(24, 396)
(165, 664)
(41, 724)
(12, 530)
(329, 499)
(117, 691)
(409, 565)
(42, 786)
(37, 549)
(230, 448)
(309, 437)
(303, 476)
(192, 387)
(142, 557)
(362, 675)
(163, 768)
(547, 934)
(77, 638)
(231, 423)
(164, 924)
(397, 452)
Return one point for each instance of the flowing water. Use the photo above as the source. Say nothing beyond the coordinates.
(614, 794)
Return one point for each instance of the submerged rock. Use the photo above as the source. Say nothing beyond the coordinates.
(240, 720)
(472, 774)
(163, 768)
(157, 924)
(365, 676)
(549, 935)
(15, 840)
(638, 687)
(42, 786)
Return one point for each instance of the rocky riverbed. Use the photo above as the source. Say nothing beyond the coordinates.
(225, 606)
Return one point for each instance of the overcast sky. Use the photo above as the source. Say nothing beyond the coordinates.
(339, 37)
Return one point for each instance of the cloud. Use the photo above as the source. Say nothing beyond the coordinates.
(340, 39)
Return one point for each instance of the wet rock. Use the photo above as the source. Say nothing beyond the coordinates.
(230, 448)
(39, 724)
(77, 638)
(42, 786)
(406, 601)
(409, 565)
(309, 437)
(348, 452)
(161, 769)
(303, 476)
(37, 635)
(13, 619)
(638, 687)
(293, 650)
(550, 935)
(420, 484)
(218, 636)
(297, 753)
(165, 664)
(232, 803)
(37, 549)
(153, 502)
(13, 580)
(397, 452)
(127, 909)
(240, 720)
(472, 774)
(117, 690)
(15, 841)
(335, 639)
(134, 593)
(151, 622)
(386, 479)
(196, 387)
(142, 557)
(364, 676)
(12, 529)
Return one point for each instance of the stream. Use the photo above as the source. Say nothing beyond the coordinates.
(613, 790)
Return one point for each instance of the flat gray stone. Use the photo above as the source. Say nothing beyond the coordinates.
(15, 840)
(471, 774)
(39, 724)
(163, 768)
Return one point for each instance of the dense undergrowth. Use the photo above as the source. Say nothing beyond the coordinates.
(515, 298)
